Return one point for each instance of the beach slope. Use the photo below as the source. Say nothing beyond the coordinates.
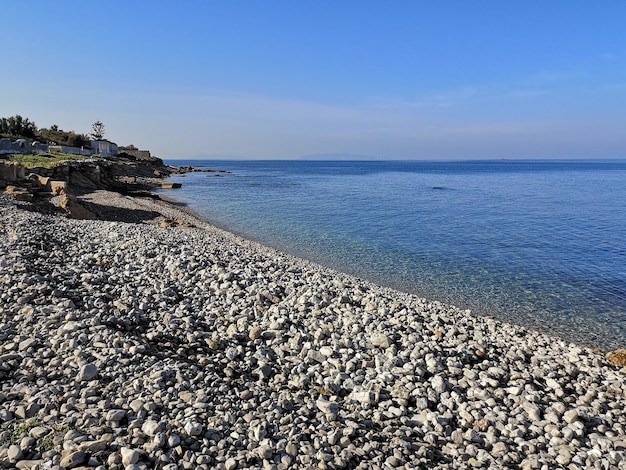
(152, 339)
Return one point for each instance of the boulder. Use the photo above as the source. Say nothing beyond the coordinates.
(57, 187)
(75, 209)
(12, 171)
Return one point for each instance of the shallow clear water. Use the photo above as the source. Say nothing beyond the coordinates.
(537, 243)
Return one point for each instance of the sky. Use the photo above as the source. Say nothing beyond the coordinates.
(279, 79)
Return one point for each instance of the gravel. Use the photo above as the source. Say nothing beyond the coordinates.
(131, 345)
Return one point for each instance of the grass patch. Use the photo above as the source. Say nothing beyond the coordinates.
(45, 160)
(18, 430)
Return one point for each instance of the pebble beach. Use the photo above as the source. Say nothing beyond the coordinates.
(153, 339)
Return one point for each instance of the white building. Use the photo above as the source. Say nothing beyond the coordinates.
(104, 148)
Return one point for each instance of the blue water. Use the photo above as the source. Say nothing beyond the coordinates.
(538, 243)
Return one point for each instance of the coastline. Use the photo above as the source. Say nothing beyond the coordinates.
(153, 337)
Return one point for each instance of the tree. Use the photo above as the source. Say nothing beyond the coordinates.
(97, 130)
(56, 136)
(18, 126)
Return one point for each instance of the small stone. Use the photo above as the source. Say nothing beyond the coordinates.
(38, 432)
(291, 449)
(29, 464)
(570, 416)
(129, 456)
(136, 405)
(151, 428)
(564, 457)
(255, 333)
(74, 459)
(87, 372)
(173, 440)
(14, 453)
(93, 446)
(20, 412)
(230, 464)
(367, 398)
(257, 433)
(115, 415)
(393, 461)
(380, 340)
(193, 428)
(329, 408)
(439, 384)
(617, 357)
(316, 356)
(265, 452)
(27, 343)
(266, 372)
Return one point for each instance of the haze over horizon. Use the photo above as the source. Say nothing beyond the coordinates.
(390, 80)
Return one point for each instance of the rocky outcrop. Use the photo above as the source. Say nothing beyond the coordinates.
(19, 194)
(11, 172)
(117, 174)
(74, 178)
(70, 204)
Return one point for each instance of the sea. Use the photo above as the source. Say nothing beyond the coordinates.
(540, 243)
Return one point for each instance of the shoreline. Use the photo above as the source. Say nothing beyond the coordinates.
(186, 346)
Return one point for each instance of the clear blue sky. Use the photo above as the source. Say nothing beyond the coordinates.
(282, 79)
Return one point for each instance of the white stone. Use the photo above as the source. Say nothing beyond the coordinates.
(381, 340)
(329, 408)
(129, 456)
(14, 453)
(151, 427)
(193, 428)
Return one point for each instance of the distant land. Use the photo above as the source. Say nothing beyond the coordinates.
(338, 157)
(316, 157)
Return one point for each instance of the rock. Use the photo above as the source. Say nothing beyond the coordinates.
(129, 456)
(230, 464)
(193, 428)
(255, 333)
(265, 452)
(74, 208)
(367, 398)
(115, 415)
(439, 384)
(316, 356)
(329, 408)
(135, 405)
(380, 340)
(74, 459)
(92, 447)
(87, 372)
(570, 416)
(151, 428)
(265, 372)
(27, 343)
(29, 464)
(617, 357)
(14, 453)
(173, 440)
(39, 431)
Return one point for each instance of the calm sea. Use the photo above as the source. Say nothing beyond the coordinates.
(538, 243)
